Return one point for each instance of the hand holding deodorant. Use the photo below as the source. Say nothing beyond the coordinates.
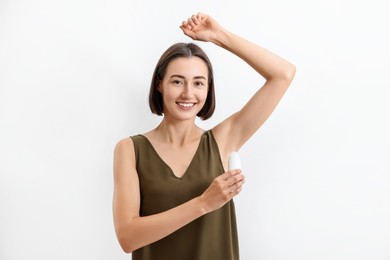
(234, 161)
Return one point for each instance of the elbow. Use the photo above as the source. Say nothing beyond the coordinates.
(285, 75)
(126, 247)
(127, 250)
(128, 236)
(127, 244)
(289, 73)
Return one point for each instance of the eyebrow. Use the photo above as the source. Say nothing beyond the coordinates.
(182, 77)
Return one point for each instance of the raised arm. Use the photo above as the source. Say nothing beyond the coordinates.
(233, 132)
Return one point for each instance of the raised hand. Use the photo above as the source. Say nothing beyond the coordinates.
(201, 27)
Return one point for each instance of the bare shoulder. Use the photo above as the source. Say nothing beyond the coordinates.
(124, 145)
(124, 155)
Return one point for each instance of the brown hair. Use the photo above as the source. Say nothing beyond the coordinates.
(178, 50)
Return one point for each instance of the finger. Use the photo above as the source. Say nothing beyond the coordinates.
(234, 172)
(201, 17)
(236, 185)
(237, 179)
(190, 22)
(188, 28)
(186, 25)
(229, 174)
(234, 175)
(230, 178)
(187, 32)
(195, 19)
(235, 192)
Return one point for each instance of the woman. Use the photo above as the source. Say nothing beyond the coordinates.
(172, 193)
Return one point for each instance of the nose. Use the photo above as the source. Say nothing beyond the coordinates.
(187, 91)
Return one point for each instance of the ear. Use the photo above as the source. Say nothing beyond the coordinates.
(159, 87)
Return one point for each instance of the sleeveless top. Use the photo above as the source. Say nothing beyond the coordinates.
(210, 237)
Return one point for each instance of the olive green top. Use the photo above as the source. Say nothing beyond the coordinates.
(210, 237)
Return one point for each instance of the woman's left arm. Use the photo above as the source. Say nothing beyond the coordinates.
(233, 132)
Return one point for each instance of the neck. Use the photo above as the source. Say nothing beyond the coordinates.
(178, 133)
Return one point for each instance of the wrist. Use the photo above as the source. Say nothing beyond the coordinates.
(221, 37)
(201, 205)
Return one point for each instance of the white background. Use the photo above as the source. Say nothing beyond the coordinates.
(74, 79)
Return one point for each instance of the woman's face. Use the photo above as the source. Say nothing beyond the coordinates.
(184, 88)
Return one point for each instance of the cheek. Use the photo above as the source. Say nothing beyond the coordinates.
(169, 96)
(204, 93)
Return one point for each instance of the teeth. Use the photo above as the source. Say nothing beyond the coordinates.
(186, 104)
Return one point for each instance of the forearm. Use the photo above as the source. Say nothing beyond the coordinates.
(142, 231)
(266, 63)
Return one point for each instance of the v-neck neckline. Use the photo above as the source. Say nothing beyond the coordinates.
(169, 167)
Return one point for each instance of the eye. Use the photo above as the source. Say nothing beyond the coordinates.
(199, 83)
(176, 82)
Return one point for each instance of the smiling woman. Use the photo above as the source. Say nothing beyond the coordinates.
(193, 54)
(172, 194)
(184, 88)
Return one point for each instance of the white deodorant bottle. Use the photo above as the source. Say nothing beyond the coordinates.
(234, 161)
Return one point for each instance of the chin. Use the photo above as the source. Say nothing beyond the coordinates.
(184, 116)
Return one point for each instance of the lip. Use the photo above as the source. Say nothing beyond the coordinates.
(186, 105)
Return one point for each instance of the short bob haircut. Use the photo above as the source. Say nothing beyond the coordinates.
(178, 50)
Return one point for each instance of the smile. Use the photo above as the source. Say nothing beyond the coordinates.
(185, 105)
